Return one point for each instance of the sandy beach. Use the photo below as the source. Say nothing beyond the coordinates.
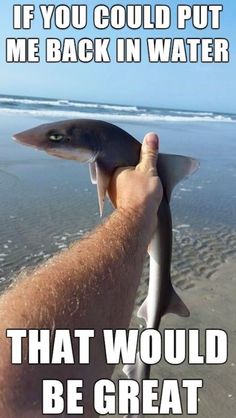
(37, 221)
(212, 305)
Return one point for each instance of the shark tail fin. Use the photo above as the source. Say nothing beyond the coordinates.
(173, 169)
(137, 371)
(130, 370)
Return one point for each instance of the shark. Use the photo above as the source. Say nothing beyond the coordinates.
(106, 147)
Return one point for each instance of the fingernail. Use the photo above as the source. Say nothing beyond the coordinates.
(152, 141)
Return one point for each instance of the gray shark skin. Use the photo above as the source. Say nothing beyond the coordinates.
(106, 147)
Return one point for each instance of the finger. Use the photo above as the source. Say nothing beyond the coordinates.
(114, 183)
(149, 154)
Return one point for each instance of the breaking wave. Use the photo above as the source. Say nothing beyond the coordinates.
(52, 108)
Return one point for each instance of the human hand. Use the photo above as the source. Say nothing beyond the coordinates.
(139, 189)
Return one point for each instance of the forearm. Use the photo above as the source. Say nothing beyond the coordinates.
(91, 285)
(108, 259)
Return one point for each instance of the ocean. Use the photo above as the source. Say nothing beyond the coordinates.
(47, 203)
(56, 108)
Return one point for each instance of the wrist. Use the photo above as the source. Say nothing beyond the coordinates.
(142, 217)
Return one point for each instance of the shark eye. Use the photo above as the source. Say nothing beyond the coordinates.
(56, 137)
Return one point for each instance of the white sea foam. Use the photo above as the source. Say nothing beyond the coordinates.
(138, 117)
(45, 102)
(186, 112)
(29, 101)
(63, 108)
(183, 226)
(63, 103)
(120, 108)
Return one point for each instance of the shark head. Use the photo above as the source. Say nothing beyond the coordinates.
(61, 139)
(104, 146)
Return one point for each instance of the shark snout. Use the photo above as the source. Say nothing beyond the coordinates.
(26, 139)
(16, 137)
(22, 140)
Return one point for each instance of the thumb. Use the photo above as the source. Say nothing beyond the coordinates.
(149, 154)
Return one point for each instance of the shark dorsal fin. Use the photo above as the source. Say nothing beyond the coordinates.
(176, 305)
(174, 168)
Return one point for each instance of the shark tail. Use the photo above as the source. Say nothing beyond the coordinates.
(138, 372)
(172, 169)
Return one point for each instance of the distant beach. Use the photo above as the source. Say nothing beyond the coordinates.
(47, 203)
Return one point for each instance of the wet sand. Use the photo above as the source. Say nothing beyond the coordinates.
(47, 203)
(211, 300)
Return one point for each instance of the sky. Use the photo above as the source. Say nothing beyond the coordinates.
(184, 86)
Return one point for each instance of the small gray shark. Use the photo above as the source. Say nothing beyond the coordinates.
(107, 147)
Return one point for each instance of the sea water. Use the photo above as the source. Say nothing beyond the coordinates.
(46, 203)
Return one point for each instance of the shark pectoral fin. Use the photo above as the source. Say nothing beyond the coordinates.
(176, 305)
(173, 169)
(103, 180)
(93, 173)
(142, 312)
